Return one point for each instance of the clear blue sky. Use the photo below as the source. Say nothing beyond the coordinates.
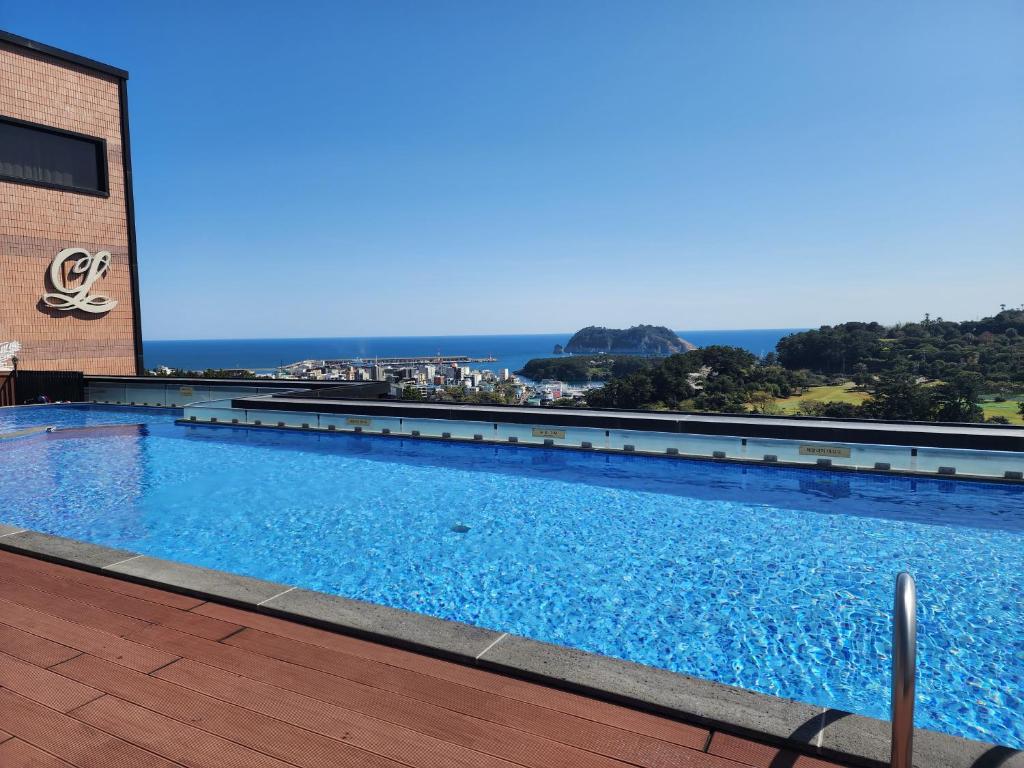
(375, 168)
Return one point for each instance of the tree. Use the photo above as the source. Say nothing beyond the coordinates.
(958, 399)
(567, 402)
(830, 409)
(411, 393)
(1020, 408)
(832, 349)
(934, 348)
(483, 398)
(456, 393)
(899, 396)
(715, 378)
(861, 377)
(761, 401)
(632, 391)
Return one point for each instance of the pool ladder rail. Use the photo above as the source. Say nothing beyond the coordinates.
(904, 671)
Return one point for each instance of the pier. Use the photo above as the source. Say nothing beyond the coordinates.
(422, 360)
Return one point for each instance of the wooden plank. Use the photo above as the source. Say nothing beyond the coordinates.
(759, 755)
(163, 736)
(582, 733)
(68, 738)
(157, 613)
(282, 691)
(498, 740)
(32, 648)
(20, 754)
(111, 583)
(384, 738)
(83, 638)
(617, 716)
(42, 686)
(249, 728)
(56, 605)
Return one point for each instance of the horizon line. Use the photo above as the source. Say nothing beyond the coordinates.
(459, 335)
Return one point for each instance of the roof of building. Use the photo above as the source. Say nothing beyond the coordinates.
(57, 53)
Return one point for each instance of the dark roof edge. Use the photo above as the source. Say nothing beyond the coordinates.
(57, 53)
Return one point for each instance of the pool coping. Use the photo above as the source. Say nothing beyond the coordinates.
(805, 728)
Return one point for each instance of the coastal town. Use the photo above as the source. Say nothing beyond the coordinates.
(576, 368)
(430, 378)
(438, 378)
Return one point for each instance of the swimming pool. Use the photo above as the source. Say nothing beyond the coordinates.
(776, 580)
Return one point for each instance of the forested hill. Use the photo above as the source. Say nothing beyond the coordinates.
(714, 378)
(584, 367)
(992, 347)
(934, 370)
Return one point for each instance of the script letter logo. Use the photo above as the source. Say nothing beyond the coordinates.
(67, 298)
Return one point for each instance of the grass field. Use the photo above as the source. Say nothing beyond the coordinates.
(1007, 409)
(847, 393)
(841, 393)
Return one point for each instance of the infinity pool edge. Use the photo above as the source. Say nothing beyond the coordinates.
(810, 729)
(726, 460)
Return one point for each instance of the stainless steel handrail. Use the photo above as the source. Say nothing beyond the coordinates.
(904, 664)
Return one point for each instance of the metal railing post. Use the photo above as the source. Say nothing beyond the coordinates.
(904, 664)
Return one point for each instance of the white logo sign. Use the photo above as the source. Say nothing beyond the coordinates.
(8, 349)
(70, 297)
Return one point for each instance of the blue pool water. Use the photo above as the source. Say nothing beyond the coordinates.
(776, 580)
(23, 417)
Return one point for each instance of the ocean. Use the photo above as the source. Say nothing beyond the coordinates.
(512, 350)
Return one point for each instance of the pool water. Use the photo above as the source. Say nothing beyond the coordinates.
(776, 580)
(61, 416)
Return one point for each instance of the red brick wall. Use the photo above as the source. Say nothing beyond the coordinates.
(36, 223)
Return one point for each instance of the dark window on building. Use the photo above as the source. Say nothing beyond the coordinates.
(47, 157)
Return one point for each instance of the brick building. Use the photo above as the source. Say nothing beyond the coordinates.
(68, 269)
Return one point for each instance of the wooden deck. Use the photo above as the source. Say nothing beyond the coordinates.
(102, 673)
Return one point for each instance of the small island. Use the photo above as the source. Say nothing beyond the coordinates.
(643, 340)
(598, 354)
